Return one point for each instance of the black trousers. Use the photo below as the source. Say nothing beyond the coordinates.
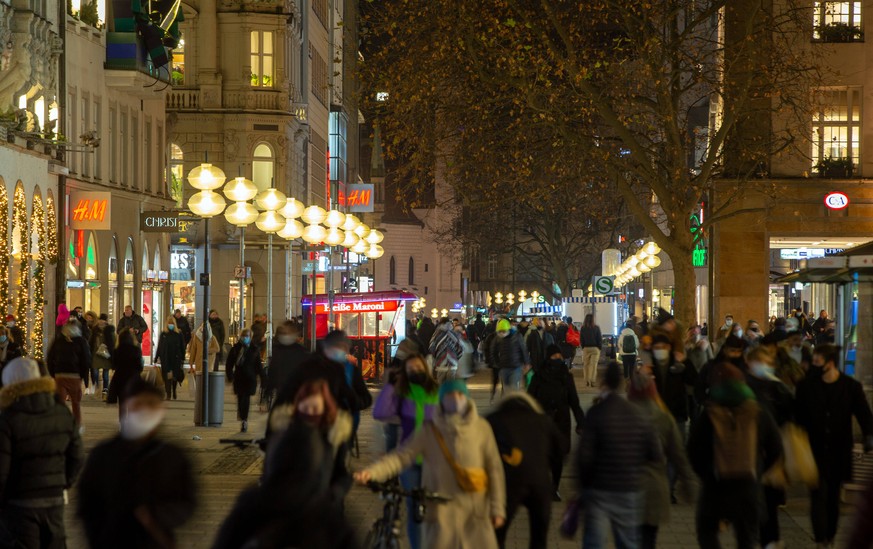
(824, 510)
(629, 362)
(34, 528)
(538, 500)
(736, 501)
(773, 498)
(243, 402)
(648, 536)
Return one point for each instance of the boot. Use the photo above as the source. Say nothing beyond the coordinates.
(174, 390)
(245, 427)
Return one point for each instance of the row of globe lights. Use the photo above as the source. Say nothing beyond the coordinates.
(641, 262)
(419, 305)
(499, 298)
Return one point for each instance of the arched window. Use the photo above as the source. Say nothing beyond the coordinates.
(392, 271)
(127, 298)
(411, 271)
(91, 259)
(145, 259)
(112, 266)
(156, 266)
(177, 175)
(262, 167)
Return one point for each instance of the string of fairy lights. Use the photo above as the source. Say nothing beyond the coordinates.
(21, 251)
(37, 222)
(4, 254)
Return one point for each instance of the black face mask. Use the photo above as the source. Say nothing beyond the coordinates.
(417, 378)
(815, 372)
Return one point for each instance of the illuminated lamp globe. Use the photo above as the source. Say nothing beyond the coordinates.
(292, 209)
(351, 223)
(313, 215)
(314, 234)
(334, 219)
(240, 189)
(350, 239)
(651, 248)
(292, 229)
(362, 230)
(206, 204)
(206, 177)
(375, 237)
(270, 221)
(653, 261)
(634, 273)
(334, 237)
(241, 214)
(641, 255)
(360, 247)
(643, 268)
(375, 251)
(632, 261)
(271, 200)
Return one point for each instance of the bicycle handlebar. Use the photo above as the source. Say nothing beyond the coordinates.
(418, 493)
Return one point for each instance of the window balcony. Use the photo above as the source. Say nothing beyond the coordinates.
(838, 33)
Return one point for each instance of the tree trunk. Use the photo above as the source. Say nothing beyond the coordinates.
(685, 289)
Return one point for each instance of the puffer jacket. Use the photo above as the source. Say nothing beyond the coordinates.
(40, 448)
(511, 352)
(70, 356)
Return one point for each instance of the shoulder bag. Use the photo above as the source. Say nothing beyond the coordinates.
(470, 479)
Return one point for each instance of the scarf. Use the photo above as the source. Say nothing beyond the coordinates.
(421, 399)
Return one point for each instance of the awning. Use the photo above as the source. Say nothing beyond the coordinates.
(828, 276)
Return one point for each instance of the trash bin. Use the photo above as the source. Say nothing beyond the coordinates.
(216, 399)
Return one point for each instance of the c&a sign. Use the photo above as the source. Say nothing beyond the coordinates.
(90, 210)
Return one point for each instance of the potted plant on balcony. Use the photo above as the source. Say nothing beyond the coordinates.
(839, 32)
(835, 168)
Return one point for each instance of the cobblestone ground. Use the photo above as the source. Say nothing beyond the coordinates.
(224, 471)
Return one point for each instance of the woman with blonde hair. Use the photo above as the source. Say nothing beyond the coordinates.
(171, 355)
(195, 349)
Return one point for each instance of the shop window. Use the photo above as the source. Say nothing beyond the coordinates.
(411, 271)
(262, 167)
(836, 133)
(262, 59)
(392, 271)
(837, 21)
(177, 76)
(177, 168)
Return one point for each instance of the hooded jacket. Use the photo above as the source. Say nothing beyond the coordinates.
(40, 448)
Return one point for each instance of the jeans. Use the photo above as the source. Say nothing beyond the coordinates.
(824, 510)
(590, 358)
(71, 387)
(34, 527)
(618, 511)
(511, 379)
(95, 376)
(391, 431)
(629, 362)
(411, 479)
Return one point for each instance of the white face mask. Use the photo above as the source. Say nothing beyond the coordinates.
(502, 334)
(139, 423)
(285, 339)
(728, 322)
(337, 355)
(455, 405)
(75, 332)
(661, 355)
(762, 370)
(738, 333)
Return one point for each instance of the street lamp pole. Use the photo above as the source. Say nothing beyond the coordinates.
(204, 284)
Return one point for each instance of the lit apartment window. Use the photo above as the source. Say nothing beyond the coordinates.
(262, 58)
(837, 21)
(177, 167)
(178, 73)
(262, 167)
(836, 132)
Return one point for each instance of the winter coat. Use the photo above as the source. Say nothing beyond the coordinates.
(127, 363)
(530, 445)
(285, 361)
(425, 331)
(411, 411)
(319, 367)
(259, 332)
(445, 347)
(217, 326)
(774, 397)
(195, 351)
(627, 332)
(102, 335)
(545, 383)
(699, 354)
(511, 352)
(825, 410)
(655, 486)
(788, 368)
(617, 442)
(184, 328)
(536, 350)
(122, 475)
(16, 334)
(244, 367)
(464, 522)
(591, 337)
(40, 448)
(70, 356)
(292, 505)
(134, 322)
(171, 354)
(673, 381)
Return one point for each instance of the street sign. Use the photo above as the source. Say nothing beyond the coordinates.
(604, 285)
(310, 266)
(239, 272)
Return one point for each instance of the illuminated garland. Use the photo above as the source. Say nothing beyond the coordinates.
(37, 224)
(51, 247)
(19, 221)
(4, 251)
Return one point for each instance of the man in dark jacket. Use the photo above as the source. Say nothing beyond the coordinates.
(531, 448)
(730, 446)
(674, 375)
(288, 355)
(69, 362)
(217, 326)
(512, 357)
(826, 400)
(134, 322)
(617, 442)
(184, 326)
(136, 488)
(14, 330)
(40, 457)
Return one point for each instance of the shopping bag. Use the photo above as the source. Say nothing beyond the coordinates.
(192, 385)
(799, 462)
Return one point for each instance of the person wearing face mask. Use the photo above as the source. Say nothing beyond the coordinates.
(731, 352)
(554, 389)
(128, 364)
(825, 403)
(697, 348)
(171, 355)
(793, 358)
(195, 349)
(511, 355)
(463, 463)
(69, 362)
(15, 332)
(774, 397)
(42, 455)
(136, 488)
(288, 355)
(9, 349)
(412, 400)
(674, 375)
(244, 367)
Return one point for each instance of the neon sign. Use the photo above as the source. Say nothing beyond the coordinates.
(358, 307)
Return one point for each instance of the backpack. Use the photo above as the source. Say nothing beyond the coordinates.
(551, 394)
(573, 337)
(628, 345)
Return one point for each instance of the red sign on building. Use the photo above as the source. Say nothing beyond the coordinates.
(356, 307)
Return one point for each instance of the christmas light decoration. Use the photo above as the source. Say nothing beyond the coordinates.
(22, 246)
(51, 225)
(37, 224)
(4, 251)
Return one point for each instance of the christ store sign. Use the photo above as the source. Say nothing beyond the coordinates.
(359, 307)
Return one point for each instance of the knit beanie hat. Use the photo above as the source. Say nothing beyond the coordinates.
(63, 315)
(19, 370)
(452, 386)
(503, 325)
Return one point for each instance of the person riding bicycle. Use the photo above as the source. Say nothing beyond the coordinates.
(463, 463)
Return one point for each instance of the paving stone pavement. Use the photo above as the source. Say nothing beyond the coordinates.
(224, 471)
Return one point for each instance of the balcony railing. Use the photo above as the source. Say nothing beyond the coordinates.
(183, 100)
